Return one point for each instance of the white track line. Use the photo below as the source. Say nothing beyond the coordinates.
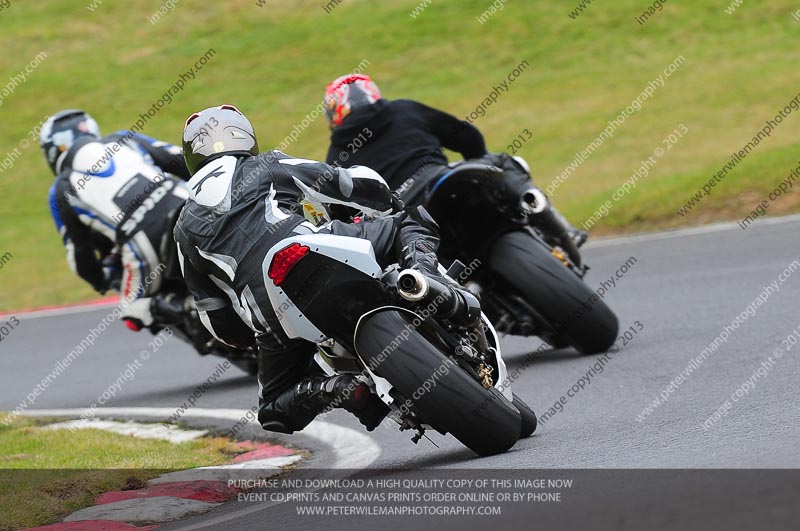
(140, 430)
(690, 231)
(350, 449)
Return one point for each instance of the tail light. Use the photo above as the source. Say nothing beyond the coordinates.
(284, 260)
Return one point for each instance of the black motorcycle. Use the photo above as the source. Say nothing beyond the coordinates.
(493, 219)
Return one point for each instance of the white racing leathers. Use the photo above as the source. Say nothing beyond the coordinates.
(121, 191)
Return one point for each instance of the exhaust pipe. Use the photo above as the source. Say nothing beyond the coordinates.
(533, 201)
(415, 287)
(412, 285)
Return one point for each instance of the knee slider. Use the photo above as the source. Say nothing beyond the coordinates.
(276, 426)
(273, 420)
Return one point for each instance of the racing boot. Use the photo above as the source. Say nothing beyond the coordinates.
(579, 237)
(173, 310)
(543, 215)
(137, 314)
(294, 409)
(168, 309)
(558, 231)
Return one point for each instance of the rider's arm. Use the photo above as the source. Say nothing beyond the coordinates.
(358, 187)
(77, 238)
(166, 156)
(454, 134)
(214, 306)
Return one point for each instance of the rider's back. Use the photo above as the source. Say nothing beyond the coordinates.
(235, 208)
(396, 138)
(114, 188)
(239, 195)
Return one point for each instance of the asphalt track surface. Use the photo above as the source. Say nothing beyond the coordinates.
(683, 289)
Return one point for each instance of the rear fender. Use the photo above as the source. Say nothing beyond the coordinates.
(353, 253)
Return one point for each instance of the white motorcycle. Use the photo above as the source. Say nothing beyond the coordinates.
(381, 325)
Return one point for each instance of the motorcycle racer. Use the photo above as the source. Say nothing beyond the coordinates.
(113, 192)
(242, 202)
(403, 141)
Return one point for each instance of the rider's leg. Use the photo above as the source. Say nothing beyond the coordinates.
(294, 389)
(171, 309)
(141, 279)
(555, 227)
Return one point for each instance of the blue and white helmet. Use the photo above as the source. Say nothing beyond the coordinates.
(61, 130)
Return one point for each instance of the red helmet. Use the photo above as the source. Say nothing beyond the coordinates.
(346, 94)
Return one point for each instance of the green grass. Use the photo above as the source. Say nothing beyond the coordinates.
(274, 62)
(49, 474)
